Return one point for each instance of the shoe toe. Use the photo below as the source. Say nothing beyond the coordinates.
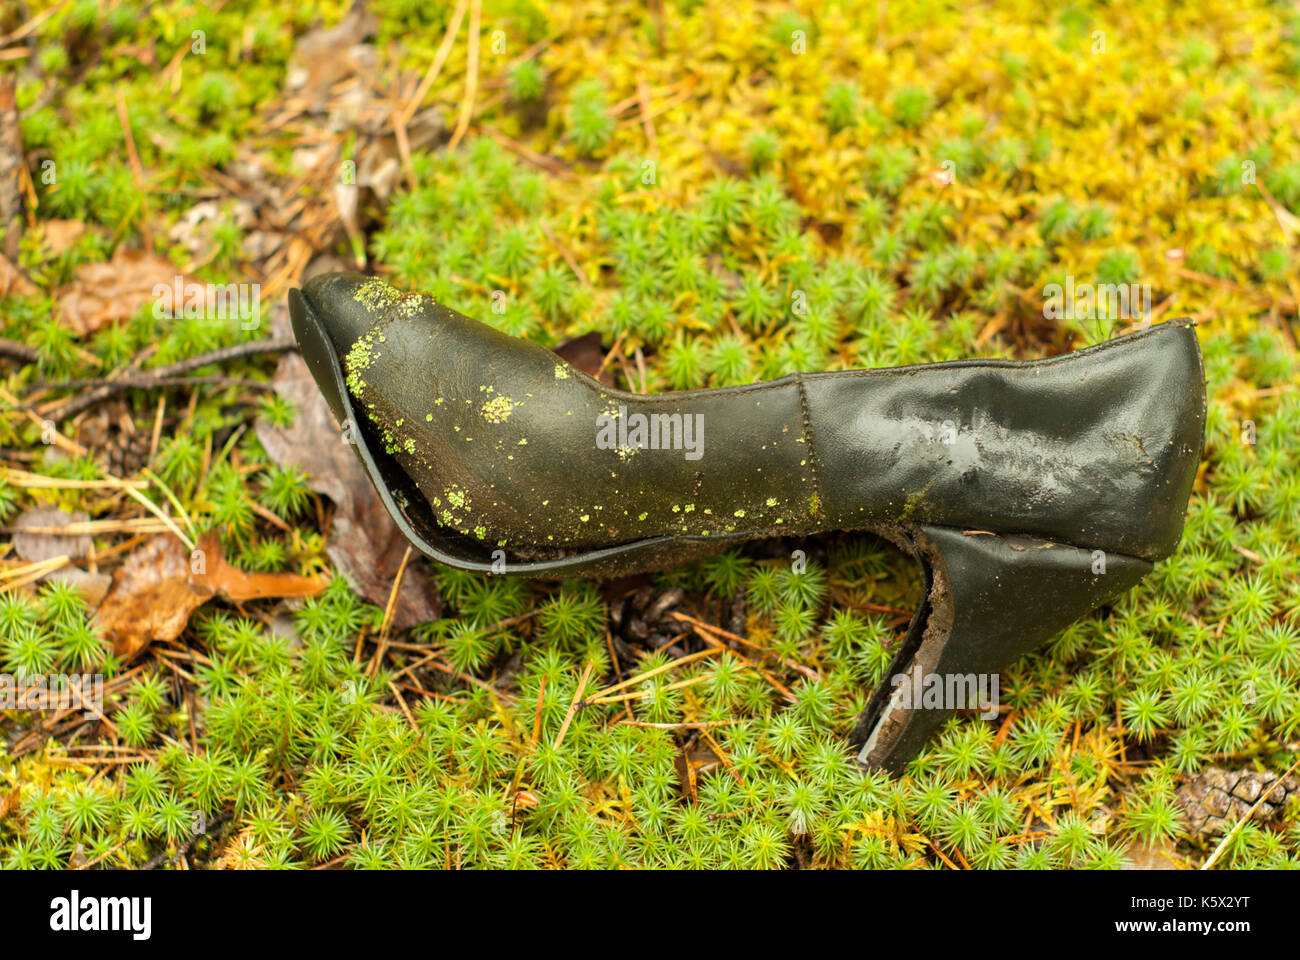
(347, 305)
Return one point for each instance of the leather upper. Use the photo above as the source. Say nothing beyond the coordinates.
(1097, 448)
(503, 439)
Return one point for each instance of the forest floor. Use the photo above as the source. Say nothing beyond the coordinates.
(681, 196)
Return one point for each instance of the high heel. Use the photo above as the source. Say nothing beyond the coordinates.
(988, 598)
(1028, 492)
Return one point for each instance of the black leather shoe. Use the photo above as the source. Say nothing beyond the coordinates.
(1029, 493)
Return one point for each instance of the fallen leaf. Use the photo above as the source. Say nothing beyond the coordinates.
(363, 541)
(1160, 856)
(210, 572)
(12, 281)
(150, 598)
(62, 235)
(93, 586)
(161, 584)
(10, 801)
(34, 544)
(102, 293)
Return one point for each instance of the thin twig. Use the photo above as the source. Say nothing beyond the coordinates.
(439, 59)
(18, 351)
(471, 75)
(107, 389)
(573, 707)
(1223, 844)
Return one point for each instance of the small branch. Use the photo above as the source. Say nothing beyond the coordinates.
(18, 351)
(161, 376)
(144, 381)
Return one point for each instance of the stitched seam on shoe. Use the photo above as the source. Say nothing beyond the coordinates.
(810, 441)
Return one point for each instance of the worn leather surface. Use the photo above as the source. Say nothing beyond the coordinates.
(1097, 448)
(1029, 493)
(413, 514)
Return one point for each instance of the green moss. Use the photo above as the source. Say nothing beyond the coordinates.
(836, 196)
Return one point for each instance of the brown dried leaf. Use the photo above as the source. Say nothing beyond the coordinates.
(214, 575)
(1162, 855)
(150, 598)
(105, 292)
(10, 801)
(61, 235)
(12, 281)
(323, 57)
(93, 586)
(161, 584)
(33, 543)
(363, 542)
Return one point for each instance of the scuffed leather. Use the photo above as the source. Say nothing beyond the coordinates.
(1097, 448)
(1029, 493)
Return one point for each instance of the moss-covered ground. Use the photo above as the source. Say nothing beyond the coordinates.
(730, 192)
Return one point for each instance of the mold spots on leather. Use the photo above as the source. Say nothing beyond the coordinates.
(498, 409)
(457, 497)
(360, 358)
(376, 295)
(411, 306)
